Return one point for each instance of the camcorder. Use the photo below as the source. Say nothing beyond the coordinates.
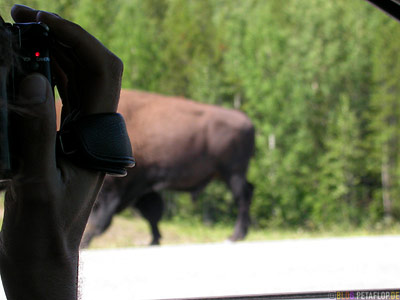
(99, 141)
(30, 43)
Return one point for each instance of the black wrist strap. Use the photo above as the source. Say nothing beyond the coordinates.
(98, 141)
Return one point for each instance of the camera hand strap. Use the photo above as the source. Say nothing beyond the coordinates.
(98, 141)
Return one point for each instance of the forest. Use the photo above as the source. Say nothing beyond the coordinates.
(317, 78)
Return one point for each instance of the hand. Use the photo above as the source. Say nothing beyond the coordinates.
(88, 75)
(49, 199)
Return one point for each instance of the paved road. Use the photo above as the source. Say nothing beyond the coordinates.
(241, 268)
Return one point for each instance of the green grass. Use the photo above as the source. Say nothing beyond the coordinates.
(129, 230)
(134, 232)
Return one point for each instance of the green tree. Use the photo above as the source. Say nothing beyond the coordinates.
(341, 170)
(98, 17)
(387, 112)
(139, 41)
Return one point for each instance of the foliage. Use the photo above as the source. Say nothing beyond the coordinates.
(318, 79)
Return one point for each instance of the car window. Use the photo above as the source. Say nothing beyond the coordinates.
(268, 132)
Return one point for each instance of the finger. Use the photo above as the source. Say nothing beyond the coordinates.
(87, 91)
(65, 58)
(23, 14)
(102, 69)
(66, 78)
(89, 50)
(33, 128)
(87, 47)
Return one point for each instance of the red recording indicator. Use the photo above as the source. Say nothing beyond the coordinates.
(37, 54)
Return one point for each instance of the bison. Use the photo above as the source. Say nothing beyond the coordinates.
(178, 145)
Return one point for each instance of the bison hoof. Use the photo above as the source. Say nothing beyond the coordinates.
(84, 245)
(155, 243)
(237, 237)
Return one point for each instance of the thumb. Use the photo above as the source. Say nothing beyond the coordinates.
(33, 128)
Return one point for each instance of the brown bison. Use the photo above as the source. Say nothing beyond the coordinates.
(178, 145)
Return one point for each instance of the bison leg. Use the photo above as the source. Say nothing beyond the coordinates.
(242, 192)
(151, 207)
(100, 217)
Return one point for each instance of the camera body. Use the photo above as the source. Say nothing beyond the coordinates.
(31, 47)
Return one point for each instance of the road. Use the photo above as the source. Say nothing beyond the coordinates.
(164, 272)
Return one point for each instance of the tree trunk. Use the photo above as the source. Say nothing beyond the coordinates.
(386, 184)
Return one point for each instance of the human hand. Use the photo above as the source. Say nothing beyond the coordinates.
(88, 75)
(49, 199)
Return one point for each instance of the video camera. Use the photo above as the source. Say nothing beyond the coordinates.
(31, 47)
(96, 141)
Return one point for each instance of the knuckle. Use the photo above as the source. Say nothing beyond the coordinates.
(111, 67)
(116, 65)
(74, 27)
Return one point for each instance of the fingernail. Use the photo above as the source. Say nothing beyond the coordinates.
(18, 8)
(33, 89)
(21, 6)
(43, 14)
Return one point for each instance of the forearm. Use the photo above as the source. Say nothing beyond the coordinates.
(39, 241)
(55, 278)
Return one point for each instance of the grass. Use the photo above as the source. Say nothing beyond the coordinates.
(134, 232)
